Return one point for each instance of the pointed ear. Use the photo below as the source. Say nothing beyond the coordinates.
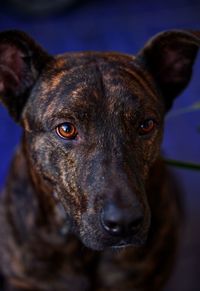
(169, 57)
(21, 62)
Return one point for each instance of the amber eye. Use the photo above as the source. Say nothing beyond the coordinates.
(147, 126)
(66, 130)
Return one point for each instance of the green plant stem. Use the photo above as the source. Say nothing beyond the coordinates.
(192, 108)
(183, 165)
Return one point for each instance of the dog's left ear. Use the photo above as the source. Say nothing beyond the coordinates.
(21, 62)
(169, 56)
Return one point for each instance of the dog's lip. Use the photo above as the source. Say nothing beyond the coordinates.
(120, 246)
(124, 244)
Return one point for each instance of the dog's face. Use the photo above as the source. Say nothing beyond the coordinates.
(94, 135)
(93, 125)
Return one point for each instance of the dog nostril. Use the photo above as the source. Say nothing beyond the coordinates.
(119, 221)
(112, 227)
(111, 219)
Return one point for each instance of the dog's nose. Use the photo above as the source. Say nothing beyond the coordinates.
(121, 221)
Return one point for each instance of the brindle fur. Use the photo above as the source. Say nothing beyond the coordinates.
(51, 237)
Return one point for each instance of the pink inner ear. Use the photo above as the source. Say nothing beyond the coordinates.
(2, 87)
(11, 57)
(175, 65)
(170, 56)
(11, 66)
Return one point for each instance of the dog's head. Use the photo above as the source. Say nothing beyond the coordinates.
(93, 125)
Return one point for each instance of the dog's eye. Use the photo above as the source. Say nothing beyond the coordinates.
(147, 126)
(66, 130)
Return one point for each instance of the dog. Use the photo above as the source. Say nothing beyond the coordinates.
(89, 203)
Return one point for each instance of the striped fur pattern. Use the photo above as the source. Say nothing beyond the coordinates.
(52, 237)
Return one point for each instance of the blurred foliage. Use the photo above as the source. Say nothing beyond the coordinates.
(194, 107)
(182, 164)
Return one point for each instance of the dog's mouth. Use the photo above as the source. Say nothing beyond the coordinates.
(96, 238)
(94, 235)
(104, 243)
(100, 241)
(128, 243)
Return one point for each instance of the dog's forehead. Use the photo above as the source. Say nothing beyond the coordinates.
(85, 81)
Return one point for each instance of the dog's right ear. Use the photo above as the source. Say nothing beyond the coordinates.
(21, 62)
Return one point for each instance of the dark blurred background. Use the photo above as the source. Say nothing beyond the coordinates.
(122, 25)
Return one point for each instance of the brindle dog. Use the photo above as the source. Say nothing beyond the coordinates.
(88, 177)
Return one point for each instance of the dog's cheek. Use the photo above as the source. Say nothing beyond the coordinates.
(68, 188)
(42, 157)
(59, 168)
(150, 151)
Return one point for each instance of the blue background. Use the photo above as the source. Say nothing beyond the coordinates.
(125, 26)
